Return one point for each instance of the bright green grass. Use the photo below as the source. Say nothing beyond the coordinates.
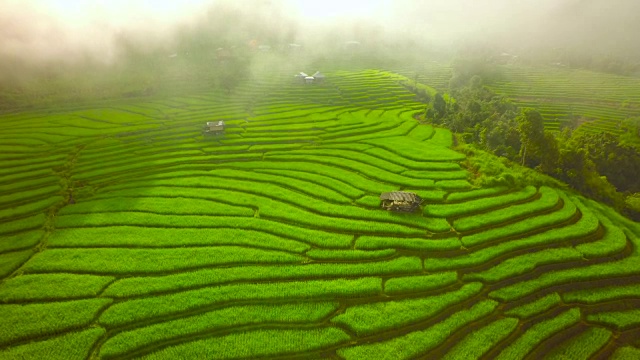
(251, 273)
(9, 262)
(295, 180)
(523, 226)
(130, 261)
(626, 353)
(376, 317)
(130, 220)
(307, 187)
(20, 241)
(326, 181)
(582, 346)
(422, 133)
(535, 307)
(278, 203)
(620, 320)
(538, 333)
(419, 283)
(441, 137)
(479, 342)
(421, 164)
(369, 201)
(71, 346)
(253, 344)
(354, 179)
(372, 172)
(348, 255)
(145, 237)
(548, 199)
(474, 194)
(301, 313)
(380, 242)
(417, 150)
(593, 296)
(613, 241)
(623, 267)
(131, 311)
(52, 286)
(525, 263)
(30, 208)
(21, 322)
(436, 175)
(586, 226)
(347, 155)
(16, 197)
(419, 342)
(269, 210)
(142, 164)
(15, 186)
(170, 206)
(460, 209)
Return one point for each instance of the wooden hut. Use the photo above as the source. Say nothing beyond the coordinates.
(400, 201)
(214, 127)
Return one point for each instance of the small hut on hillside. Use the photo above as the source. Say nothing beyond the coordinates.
(318, 76)
(400, 201)
(214, 127)
(310, 79)
(301, 76)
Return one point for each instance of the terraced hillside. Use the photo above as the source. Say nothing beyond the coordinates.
(600, 100)
(126, 233)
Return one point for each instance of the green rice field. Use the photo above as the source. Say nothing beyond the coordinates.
(125, 232)
(599, 101)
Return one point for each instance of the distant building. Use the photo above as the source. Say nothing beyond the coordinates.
(301, 76)
(309, 79)
(214, 127)
(318, 76)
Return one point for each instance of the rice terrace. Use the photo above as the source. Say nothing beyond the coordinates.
(289, 217)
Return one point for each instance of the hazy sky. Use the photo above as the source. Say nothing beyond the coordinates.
(57, 28)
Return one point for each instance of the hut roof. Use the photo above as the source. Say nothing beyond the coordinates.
(400, 196)
(215, 123)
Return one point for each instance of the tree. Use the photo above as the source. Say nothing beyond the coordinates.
(531, 129)
(439, 106)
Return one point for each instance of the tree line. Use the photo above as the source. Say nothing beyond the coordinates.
(603, 166)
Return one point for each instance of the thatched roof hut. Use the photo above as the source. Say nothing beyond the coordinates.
(400, 201)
